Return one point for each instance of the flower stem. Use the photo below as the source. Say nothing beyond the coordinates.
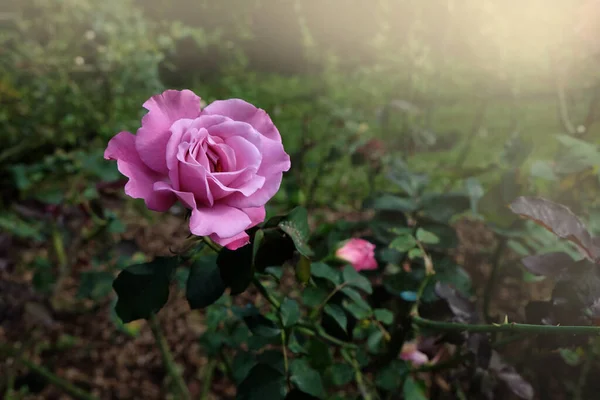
(168, 359)
(510, 327)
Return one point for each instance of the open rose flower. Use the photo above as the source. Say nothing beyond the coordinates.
(223, 162)
(358, 252)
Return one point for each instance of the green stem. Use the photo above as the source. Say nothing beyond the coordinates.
(169, 360)
(315, 313)
(265, 293)
(415, 308)
(358, 376)
(211, 244)
(206, 385)
(510, 327)
(310, 330)
(49, 376)
(286, 365)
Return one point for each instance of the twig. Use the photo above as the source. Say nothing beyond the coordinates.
(48, 375)
(510, 327)
(168, 360)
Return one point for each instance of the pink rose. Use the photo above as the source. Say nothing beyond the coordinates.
(358, 252)
(223, 162)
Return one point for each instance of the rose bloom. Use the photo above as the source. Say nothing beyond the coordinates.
(223, 162)
(358, 252)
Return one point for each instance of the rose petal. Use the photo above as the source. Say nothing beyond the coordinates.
(256, 215)
(240, 110)
(141, 178)
(247, 154)
(230, 129)
(221, 220)
(163, 110)
(232, 243)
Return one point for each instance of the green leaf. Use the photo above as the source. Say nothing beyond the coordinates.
(314, 296)
(324, 271)
(442, 207)
(262, 382)
(394, 203)
(204, 285)
(390, 377)
(319, 354)
(235, 267)
(357, 311)
(295, 225)
(275, 249)
(95, 284)
(290, 312)
(354, 278)
(273, 358)
(384, 316)
(303, 270)
(341, 373)
(143, 289)
(275, 272)
(374, 341)
(427, 237)
(306, 379)
(356, 297)
(256, 242)
(241, 365)
(403, 243)
(413, 390)
(415, 253)
(260, 325)
(338, 314)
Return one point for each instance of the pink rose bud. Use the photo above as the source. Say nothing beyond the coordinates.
(223, 162)
(358, 252)
(410, 352)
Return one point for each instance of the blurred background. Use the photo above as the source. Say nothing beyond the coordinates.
(480, 93)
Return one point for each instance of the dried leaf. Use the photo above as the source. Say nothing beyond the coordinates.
(559, 220)
(549, 264)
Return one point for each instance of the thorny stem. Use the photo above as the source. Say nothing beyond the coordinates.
(510, 327)
(168, 360)
(48, 375)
